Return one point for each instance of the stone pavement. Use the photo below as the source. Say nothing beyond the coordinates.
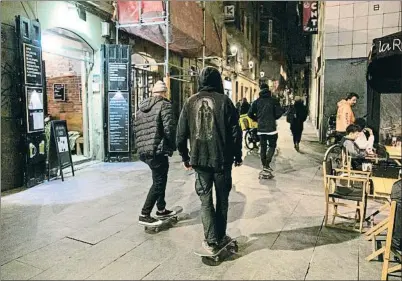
(86, 227)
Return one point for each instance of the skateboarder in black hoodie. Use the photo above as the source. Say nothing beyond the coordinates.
(155, 132)
(211, 122)
(266, 110)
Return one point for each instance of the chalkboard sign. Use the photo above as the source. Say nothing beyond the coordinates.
(59, 92)
(32, 65)
(59, 146)
(118, 108)
(34, 109)
(118, 77)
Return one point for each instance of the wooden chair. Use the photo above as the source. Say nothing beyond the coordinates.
(393, 241)
(347, 185)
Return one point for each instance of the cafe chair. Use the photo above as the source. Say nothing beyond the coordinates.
(349, 186)
(391, 227)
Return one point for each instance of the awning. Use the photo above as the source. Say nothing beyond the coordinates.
(385, 63)
(185, 28)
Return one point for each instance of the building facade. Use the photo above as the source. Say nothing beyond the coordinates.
(340, 53)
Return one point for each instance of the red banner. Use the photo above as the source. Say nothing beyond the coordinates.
(310, 17)
(129, 11)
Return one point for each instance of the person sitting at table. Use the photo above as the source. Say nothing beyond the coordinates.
(352, 149)
(365, 139)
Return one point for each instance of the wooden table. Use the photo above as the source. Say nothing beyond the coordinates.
(395, 153)
(382, 187)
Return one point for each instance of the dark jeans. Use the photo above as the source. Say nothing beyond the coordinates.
(160, 168)
(297, 134)
(214, 220)
(267, 142)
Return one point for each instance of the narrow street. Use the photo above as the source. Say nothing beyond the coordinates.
(86, 227)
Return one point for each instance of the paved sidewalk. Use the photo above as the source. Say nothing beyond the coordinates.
(86, 227)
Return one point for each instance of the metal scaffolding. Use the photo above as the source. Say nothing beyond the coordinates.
(164, 21)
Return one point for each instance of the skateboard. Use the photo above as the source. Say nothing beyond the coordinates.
(265, 175)
(231, 246)
(172, 219)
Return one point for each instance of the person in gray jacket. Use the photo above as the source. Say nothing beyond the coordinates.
(155, 134)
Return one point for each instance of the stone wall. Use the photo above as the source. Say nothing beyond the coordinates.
(340, 78)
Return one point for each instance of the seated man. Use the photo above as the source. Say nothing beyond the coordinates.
(365, 139)
(353, 150)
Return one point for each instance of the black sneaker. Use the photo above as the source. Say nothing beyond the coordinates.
(165, 214)
(149, 221)
(225, 240)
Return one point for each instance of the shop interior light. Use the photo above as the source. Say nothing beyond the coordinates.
(233, 50)
(51, 43)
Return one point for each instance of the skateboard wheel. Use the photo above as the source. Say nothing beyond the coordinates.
(156, 230)
(216, 259)
(146, 227)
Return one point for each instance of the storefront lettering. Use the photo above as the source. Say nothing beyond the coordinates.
(386, 47)
(314, 14)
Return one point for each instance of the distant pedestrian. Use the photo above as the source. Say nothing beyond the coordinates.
(244, 107)
(296, 116)
(155, 132)
(211, 123)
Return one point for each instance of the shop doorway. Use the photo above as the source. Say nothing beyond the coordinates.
(68, 61)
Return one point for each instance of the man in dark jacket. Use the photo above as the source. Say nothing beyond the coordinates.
(266, 110)
(155, 131)
(211, 122)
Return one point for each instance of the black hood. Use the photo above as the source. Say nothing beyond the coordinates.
(265, 93)
(210, 80)
(147, 104)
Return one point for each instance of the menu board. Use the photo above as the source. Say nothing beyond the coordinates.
(118, 107)
(118, 77)
(60, 147)
(34, 109)
(32, 64)
(59, 92)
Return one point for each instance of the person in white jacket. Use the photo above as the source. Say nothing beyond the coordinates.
(365, 139)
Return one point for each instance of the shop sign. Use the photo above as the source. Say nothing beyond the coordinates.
(59, 92)
(118, 77)
(32, 65)
(310, 17)
(229, 13)
(118, 103)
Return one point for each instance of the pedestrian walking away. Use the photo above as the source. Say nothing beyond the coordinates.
(265, 111)
(296, 116)
(244, 107)
(155, 133)
(211, 122)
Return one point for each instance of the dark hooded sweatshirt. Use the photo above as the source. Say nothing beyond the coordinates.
(155, 128)
(211, 122)
(265, 110)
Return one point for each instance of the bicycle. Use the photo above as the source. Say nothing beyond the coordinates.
(251, 138)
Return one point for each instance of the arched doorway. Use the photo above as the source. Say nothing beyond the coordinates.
(68, 62)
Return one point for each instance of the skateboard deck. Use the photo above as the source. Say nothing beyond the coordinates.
(166, 220)
(265, 175)
(231, 246)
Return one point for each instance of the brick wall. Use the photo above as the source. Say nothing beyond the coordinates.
(57, 66)
(71, 108)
